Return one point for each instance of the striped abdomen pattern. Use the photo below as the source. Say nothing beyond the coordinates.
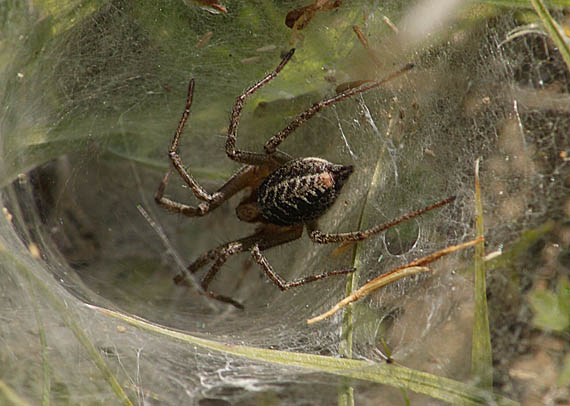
(301, 190)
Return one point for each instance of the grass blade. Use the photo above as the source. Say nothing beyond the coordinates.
(69, 320)
(554, 30)
(481, 352)
(434, 386)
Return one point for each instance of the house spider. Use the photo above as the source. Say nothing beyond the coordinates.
(286, 194)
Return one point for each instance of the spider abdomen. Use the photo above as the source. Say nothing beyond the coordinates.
(301, 190)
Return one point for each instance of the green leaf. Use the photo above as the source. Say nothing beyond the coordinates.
(552, 310)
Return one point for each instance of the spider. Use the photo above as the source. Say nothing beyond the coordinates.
(286, 195)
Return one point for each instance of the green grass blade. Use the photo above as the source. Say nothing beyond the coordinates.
(445, 389)
(553, 4)
(69, 320)
(346, 394)
(481, 351)
(554, 30)
(9, 397)
(46, 394)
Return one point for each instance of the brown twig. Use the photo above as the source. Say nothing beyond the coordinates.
(411, 268)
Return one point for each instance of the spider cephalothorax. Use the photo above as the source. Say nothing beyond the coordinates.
(286, 195)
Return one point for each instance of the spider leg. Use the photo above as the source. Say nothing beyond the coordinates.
(237, 182)
(219, 255)
(240, 180)
(246, 157)
(223, 255)
(198, 190)
(326, 238)
(282, 283)
(271, 145)
(177, 207)
(266, 237)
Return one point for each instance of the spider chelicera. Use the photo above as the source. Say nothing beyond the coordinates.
(286, 195)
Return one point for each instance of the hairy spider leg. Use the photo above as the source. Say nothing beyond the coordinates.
(268, 236)
(271, 236)
(246, 157)
(228, 250)
(282, 283)
(219, 255)
(198, 190)
(272, 159)
(327, 238)
(237, 182)
(272, 144)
